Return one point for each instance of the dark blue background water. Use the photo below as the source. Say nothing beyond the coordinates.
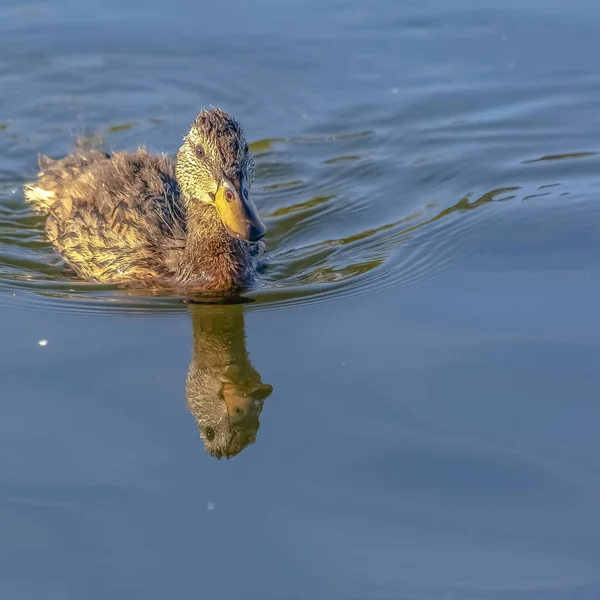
(430, 178)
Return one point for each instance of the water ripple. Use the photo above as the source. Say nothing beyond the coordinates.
(354, 205)
(301, 268)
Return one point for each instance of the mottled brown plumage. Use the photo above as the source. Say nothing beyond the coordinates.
(140, 219)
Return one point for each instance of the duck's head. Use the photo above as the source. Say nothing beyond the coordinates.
(215, 166)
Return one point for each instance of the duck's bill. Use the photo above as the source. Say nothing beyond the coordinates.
(238, 214)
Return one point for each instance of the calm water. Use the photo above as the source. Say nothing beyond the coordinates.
(430, 176)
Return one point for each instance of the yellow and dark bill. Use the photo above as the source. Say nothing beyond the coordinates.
(238, 212)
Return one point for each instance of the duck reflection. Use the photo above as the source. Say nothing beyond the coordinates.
(224, 391)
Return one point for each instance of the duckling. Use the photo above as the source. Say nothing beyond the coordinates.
(224, 391)
(137, 219)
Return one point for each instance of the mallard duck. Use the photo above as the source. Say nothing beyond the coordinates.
(140, 219)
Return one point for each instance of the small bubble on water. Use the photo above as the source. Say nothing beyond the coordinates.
(395, 90)
(210, 506)
(42, 343)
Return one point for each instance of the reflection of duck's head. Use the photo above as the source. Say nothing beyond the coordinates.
(224, 391)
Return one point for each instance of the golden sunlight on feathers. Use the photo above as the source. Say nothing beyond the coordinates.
(140, 219)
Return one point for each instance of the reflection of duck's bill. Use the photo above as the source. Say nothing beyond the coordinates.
(238, 212)
(261, 391)
(244, 401)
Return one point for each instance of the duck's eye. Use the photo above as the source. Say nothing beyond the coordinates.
(199, 151)
(229, 195)
(210, 434)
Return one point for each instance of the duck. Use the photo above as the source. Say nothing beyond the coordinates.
(139, 219)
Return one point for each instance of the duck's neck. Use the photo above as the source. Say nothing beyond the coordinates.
(203, 222)
(212, 256)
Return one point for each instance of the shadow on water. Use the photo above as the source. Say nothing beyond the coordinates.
(224, 391)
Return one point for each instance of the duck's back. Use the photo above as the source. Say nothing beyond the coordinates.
(114, 218)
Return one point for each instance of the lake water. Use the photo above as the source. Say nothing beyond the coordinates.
(428, 321)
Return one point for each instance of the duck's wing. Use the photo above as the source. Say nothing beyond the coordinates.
(113, 217)
(55, 176)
